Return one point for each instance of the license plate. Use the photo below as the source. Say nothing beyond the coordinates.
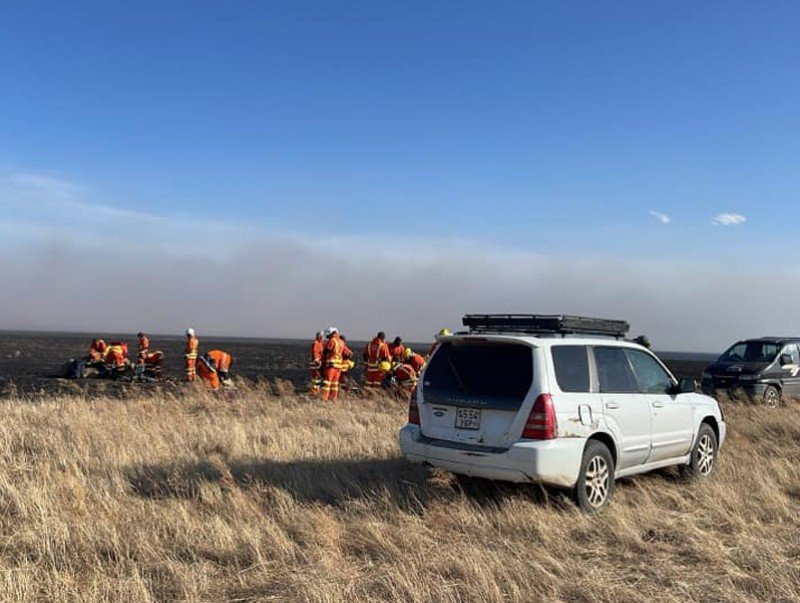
(468, 418)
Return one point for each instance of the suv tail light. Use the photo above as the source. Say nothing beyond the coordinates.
(541, 423)
(413, 409)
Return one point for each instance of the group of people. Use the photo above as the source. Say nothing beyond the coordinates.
(391, 366)
(111, 361)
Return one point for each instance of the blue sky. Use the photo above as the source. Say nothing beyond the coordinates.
(512, 127)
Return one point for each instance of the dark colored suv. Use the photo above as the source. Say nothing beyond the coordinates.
(764, 369)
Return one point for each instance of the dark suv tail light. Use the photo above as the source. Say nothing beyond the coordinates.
(413, 409)
(541, 423)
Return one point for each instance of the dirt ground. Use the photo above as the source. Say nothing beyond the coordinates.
(29, 362)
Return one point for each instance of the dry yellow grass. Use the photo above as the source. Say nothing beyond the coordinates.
(271, 497)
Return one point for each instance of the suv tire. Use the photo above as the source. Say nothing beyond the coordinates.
(704, 454)
(596, 479)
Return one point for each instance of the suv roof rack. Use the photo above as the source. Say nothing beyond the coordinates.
(541, 324)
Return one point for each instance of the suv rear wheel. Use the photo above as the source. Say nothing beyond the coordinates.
(596, 479)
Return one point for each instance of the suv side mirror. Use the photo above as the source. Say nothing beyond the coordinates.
(786, 359)
(684, 386)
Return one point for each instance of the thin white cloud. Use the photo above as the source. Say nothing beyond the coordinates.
(661, 217)
(728, 219)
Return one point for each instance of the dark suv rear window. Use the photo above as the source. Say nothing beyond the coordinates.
(485, 374)
(572, 367)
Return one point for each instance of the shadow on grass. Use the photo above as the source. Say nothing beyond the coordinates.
(329, 482)
(399, 483)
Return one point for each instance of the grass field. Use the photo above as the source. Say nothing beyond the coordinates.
(270, 497)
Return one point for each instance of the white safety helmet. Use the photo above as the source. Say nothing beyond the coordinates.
(190, 332)
(330, 331)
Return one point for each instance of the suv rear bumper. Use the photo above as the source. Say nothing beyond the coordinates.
(553, 462)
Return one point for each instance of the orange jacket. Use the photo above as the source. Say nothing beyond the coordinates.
(208, 373)
(333, 351)
(97, 349)
(116, 353)
(375, 352)
(405, 374)
(416, 362)
(192, 344)
(396, 352)
(317, 347)
(221, 360)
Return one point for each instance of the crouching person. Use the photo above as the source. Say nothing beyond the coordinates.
(214, 368)
(116, 360)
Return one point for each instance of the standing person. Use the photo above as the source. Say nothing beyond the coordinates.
(332, 361)
(315, 365)
(190, 353)
(396, 351)
(378, 361)
(345, 382)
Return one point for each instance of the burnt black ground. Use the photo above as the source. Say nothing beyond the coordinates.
(29, 362)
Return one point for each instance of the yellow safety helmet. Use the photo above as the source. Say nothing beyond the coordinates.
(407, 353)
(385, 366)
(444, 332)
(350, 364)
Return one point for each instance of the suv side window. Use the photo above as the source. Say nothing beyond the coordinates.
(614, 371)
(652, 378)
(571, 363)
(791, 350)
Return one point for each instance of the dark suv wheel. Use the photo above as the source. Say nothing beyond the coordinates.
(596, 479)
(772, 397)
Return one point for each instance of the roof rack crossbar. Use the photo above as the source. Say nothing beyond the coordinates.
(539, 324)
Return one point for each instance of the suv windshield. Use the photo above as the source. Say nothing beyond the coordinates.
(751, 351)
(485, 374)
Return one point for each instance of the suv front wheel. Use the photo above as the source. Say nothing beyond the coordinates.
(596, 480)
(704, 454)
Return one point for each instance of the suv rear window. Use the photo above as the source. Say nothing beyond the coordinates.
(571, 363)
(497, 375)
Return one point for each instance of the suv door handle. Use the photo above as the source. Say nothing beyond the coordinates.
(612, 405)
(657, 404)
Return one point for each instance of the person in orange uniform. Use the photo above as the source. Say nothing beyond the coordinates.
(116, 358)
(315, 365)
(214, 367)
(190, 353)
(405, 378)
(222, 362)
(345, 383)
(396, 350)
(146, 358)
(376, 353)
(207, 373)
(414, 360)
(332, 363)
(97, 351)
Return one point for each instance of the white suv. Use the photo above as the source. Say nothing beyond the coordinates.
(558, 407)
